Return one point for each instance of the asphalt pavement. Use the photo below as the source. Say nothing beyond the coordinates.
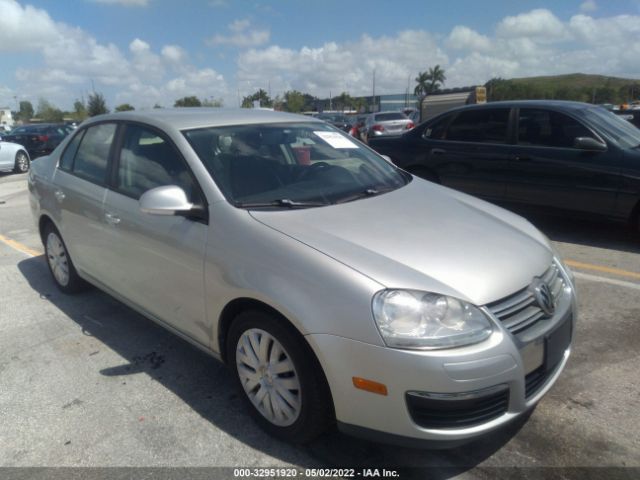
(87, 382)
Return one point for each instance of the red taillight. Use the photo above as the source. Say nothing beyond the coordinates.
(410, 125)
(43, 138)
(378, 128)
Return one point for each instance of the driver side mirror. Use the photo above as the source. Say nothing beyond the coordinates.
(168, 200)
(589, 144)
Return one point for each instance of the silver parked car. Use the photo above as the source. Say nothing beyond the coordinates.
(337, 287)
(387, 124)
(13, 157)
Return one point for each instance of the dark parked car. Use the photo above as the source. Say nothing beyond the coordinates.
(338, 120)
(566, 156)
(39, 139)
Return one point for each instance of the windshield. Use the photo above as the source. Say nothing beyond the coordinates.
(615, 128)
(286, 165)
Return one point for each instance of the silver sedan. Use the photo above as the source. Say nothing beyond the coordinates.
(339, 289)
(13, 157)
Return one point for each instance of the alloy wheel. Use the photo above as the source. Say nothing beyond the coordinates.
(22, 162)
(58, 259)
(268, 377)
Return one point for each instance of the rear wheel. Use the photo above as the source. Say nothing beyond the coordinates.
(59, 262)
(22, 162)
(281, 383)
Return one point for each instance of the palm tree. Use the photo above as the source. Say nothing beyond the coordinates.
(422, 86)
(436, 78)
(429, 82)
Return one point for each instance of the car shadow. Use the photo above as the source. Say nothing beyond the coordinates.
(206, 386)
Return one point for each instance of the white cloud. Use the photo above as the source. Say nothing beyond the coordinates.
(239, 25)
(243, 35)
(588, 6)
(73, 61)
(25, 28)
(532, 43)
(464, 38)
(173, 54)
(125, 3)
(539, 23)
(336, 67)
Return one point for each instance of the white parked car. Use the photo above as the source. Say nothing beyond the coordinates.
(13, 157)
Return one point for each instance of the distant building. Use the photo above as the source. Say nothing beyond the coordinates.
(5, 117)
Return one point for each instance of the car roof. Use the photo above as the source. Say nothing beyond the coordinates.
(199, 117)
(555, 104)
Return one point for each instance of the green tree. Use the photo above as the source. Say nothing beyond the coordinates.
(344, 101)
(48, 112)
(79, 111)
(360, 104)
(261, 96)
(429, 82)
(26, 111)
(294, 101)
(157, 105)
(191, 101)
(124, 107)
(96, 104)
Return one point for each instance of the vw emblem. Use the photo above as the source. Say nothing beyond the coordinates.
(543, 296)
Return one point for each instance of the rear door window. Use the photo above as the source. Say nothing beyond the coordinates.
(92, 156)
(547, 128)
(480, 126)
(436, 130)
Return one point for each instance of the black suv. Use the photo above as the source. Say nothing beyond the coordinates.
(556, 155)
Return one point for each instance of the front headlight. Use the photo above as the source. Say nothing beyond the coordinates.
(558, 259)
(415, 319)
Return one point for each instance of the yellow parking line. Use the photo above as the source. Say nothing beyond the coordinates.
(602, 268)
(19, 246)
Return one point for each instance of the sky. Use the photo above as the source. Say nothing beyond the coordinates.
(147, 52)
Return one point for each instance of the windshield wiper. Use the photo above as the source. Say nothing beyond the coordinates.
(281, 202)
(369, 192)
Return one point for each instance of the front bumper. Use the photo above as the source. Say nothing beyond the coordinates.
(447, 396)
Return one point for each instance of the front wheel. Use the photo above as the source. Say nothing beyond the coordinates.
(22, 162)
(281, 382)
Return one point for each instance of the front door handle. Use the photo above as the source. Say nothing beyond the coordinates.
(438, 151)
(59, 194)
(111, 218)
(521, 158)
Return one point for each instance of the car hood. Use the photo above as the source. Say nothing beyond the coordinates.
(425, 237)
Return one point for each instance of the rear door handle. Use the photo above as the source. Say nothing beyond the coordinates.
(521, 158)
(60, 196)
(111, 218)
(438, 151)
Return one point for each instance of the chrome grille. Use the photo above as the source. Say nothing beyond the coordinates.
(520, 311)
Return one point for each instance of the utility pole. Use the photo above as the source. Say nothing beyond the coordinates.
(374, 89)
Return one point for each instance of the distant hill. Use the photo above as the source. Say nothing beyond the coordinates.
(574, 86)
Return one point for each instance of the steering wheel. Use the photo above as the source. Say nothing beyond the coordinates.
(313, 168)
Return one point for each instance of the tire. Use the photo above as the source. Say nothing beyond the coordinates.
(59, 262)
(22, 162)
(296, 405)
